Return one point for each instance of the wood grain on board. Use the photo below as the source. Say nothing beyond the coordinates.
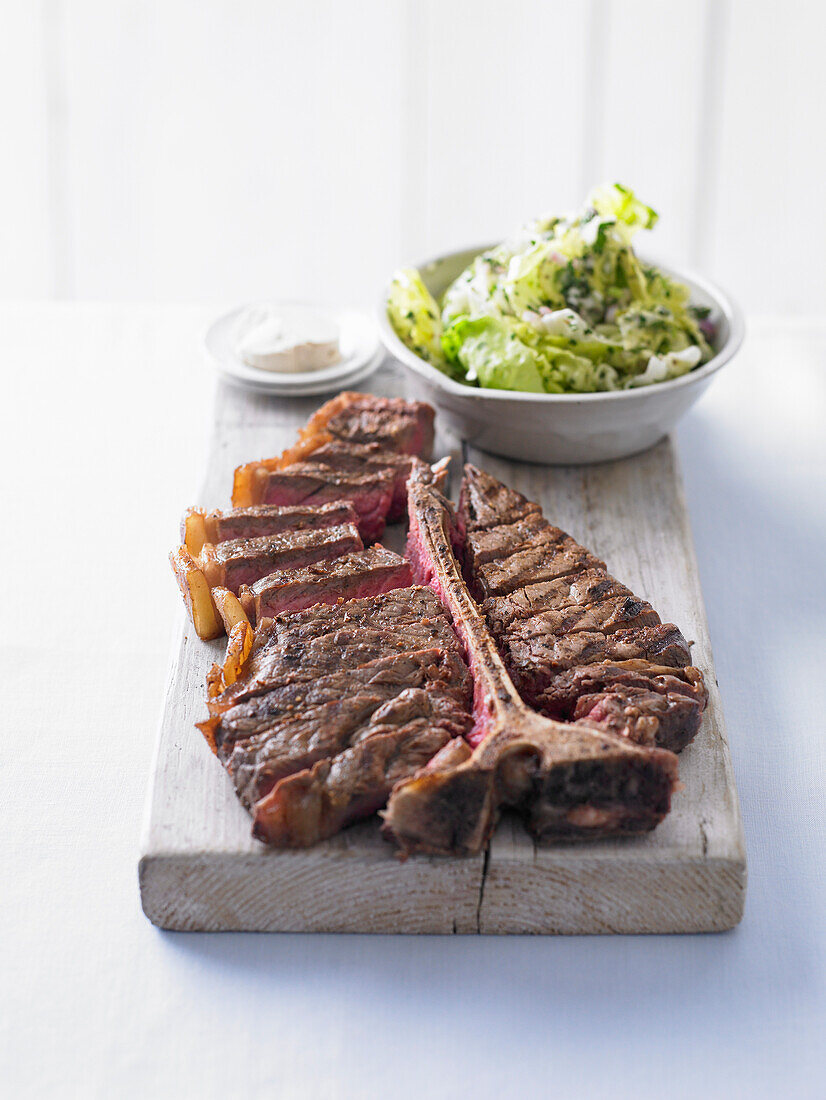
(201, 869)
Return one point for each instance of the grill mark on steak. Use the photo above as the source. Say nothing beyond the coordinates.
(233, 719)
(362, 573)
(582, 590)
(495, 543)
(534, 661)
(565, 779)
(244, 561)
(606, 617)
(544, 627)
(546, 559)
(485, 502)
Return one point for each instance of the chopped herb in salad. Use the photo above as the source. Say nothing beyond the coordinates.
(563, 306)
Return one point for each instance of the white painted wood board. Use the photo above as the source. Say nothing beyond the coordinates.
(201, 870)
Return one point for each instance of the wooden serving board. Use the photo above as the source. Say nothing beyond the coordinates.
(201, 870)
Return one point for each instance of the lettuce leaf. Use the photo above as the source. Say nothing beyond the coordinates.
(414, 315)
(493, 356)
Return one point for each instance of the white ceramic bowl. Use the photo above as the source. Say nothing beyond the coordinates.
(564, 428)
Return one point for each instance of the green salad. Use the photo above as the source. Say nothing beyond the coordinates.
(564, 306)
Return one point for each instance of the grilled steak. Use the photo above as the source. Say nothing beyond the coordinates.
(535, 661)
(334, 705)
(545, 558)
(485, 502)
(319, 801)
(370, 494)
(553, 608)
(235, 720)
(250, 523)
(243, 561)
(646, 702)
(398, 425)
(370, 458)
(362, 573)
(567, 780)
(580, 591)
(402, 427)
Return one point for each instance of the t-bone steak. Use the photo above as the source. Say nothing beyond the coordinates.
(565, 779)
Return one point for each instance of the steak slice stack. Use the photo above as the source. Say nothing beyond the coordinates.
(243, 561)
(336, 704)
(362, 573)
(578, 644)
(200, 526)
(350, 466)
(358, 448)
(565, 779)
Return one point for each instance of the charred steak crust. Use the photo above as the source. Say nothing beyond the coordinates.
(244, 561)
(335, 705)
(553, 608)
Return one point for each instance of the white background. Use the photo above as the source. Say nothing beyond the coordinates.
(235, 149)
(213, 152)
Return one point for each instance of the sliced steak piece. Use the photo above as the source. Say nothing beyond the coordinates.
(297, 647)
(256, 763)
(370, 458)
(545, 559)
(568, 780)
(294, 744)
(402, 612)
(646, 702)
(232, 720)
(606, 617)
(370, 494)
(581, 590)
(292, 660)
(485, 502)
(645, 717)
(199, 527)
(317, 802)
(560, 697)
(243, 561)
(398, 425)
(362, 573)
(405, 427)
(398, 606)
(296, 741)
(496, 543)
(533, 662)
(551, 610)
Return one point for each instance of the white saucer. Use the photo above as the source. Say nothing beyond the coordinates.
(361, 354)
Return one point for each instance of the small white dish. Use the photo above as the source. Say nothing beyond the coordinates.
(361, 354)
(564, 429)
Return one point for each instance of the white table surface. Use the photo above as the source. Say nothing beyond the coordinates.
(103, 428)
